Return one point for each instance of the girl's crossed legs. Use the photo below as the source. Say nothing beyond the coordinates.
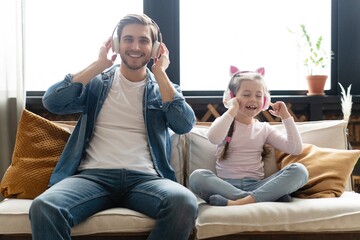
(222, 192)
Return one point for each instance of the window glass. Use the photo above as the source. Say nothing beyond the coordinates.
(64, 36)
(248, 34)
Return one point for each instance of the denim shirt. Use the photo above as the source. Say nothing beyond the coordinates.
(67, 97)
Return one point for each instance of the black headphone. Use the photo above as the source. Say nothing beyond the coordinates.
(155, 52)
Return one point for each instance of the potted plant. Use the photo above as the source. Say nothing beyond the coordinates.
(316, 60)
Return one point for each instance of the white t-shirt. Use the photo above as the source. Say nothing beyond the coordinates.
(120, 137)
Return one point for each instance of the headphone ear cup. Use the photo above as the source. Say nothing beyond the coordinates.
(155, 52)
(226, 97)
(267, 101)
(115, 45)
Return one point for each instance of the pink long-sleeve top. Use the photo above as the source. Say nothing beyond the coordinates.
(244, 153)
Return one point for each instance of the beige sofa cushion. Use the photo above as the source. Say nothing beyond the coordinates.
(301, 215)
(14, 219)
(177, 159)
(320, 132)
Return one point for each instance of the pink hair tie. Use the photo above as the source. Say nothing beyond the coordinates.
(228, 139)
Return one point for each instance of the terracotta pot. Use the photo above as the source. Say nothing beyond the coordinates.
(316, 84)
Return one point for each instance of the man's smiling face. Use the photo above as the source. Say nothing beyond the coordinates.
(135, 46)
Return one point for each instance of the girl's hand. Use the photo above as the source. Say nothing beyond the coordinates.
(279, 109)
(234, 105)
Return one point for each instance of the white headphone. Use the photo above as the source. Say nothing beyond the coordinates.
(155, 52)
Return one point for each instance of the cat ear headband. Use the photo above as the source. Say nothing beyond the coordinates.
(234, 71)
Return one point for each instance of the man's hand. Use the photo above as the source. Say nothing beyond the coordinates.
(167, 90)
(102, 63)
(103, 54)
(163, 62)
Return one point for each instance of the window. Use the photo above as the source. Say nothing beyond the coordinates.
(248, 34)
(64, 36)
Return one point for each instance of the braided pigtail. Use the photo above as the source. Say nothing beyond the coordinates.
(267, 149)
(227, 141)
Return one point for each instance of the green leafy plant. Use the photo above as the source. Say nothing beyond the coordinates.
(315, 57)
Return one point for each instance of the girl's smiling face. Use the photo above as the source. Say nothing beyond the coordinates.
(250, 97)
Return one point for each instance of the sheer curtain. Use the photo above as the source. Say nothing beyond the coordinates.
(12, 94)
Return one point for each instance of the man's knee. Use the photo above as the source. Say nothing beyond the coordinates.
(183, 201)
(37, 206)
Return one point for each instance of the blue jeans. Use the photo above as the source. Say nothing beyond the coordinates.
(72, 200)
(205, 183)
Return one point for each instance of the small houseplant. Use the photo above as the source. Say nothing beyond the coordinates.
(316, 60)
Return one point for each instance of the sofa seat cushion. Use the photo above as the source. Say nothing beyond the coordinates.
(14, 219)
(300, 215)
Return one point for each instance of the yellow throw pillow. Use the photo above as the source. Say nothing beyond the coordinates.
(38, 146)
(329, 169)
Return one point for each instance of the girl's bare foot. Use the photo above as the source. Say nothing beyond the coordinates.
(242, 201)
(218, 200)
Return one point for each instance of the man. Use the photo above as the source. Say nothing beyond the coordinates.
(119, 152)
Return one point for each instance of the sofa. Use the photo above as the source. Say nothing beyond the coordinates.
(327, 208)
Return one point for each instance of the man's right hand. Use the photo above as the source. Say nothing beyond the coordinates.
(102, 63)
(103, 58)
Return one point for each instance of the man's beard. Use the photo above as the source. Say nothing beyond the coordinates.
(134, 67)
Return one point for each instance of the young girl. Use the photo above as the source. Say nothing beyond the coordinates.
(241, 139)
